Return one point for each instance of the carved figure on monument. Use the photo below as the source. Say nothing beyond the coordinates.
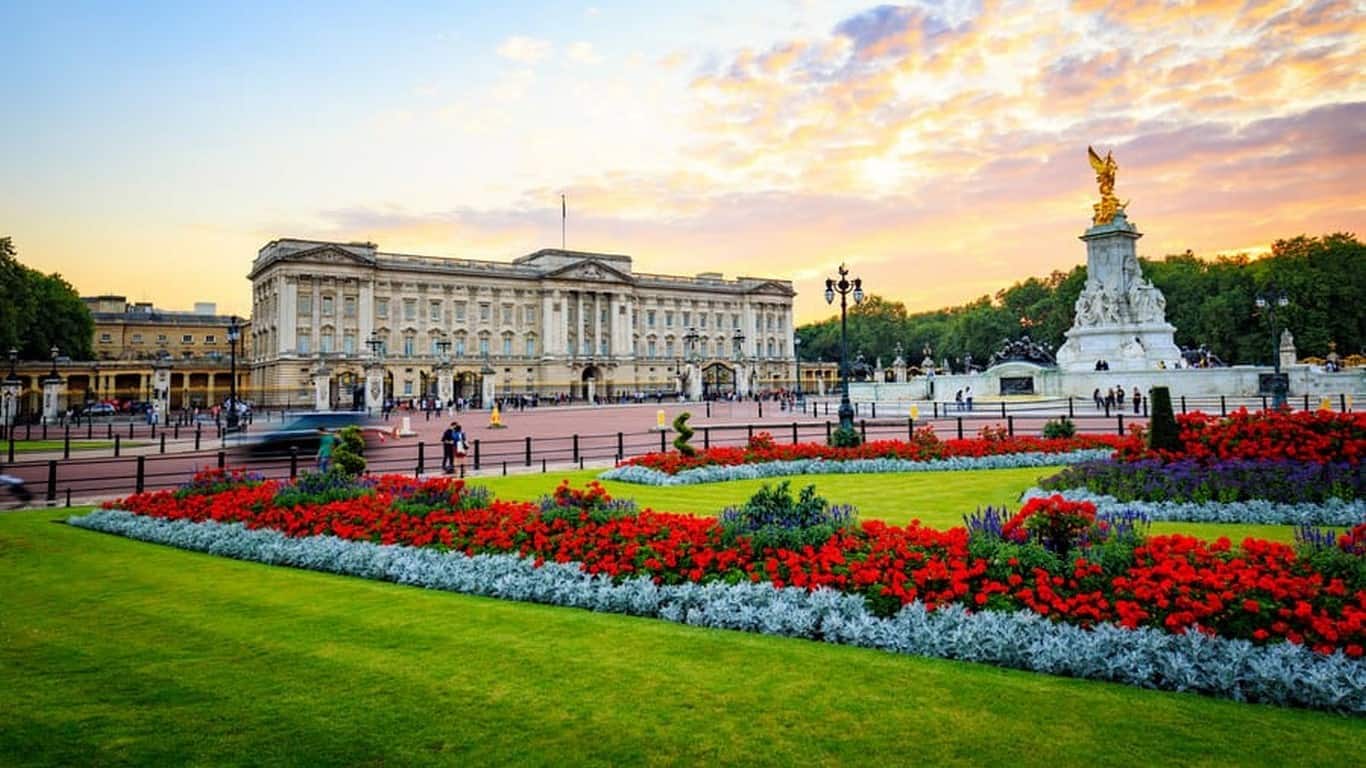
(1109, 205)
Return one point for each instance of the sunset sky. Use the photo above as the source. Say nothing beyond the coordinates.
(939, 148)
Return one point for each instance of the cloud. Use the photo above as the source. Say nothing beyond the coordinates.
(583, 53)
(525, 50)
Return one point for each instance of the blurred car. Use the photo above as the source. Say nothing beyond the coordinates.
(301, 432)
(99, 409)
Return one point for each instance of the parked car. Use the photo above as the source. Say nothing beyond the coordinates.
(302, 432)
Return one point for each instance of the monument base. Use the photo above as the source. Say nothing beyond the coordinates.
(1127, 347)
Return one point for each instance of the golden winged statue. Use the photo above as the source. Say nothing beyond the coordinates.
(1109, 205)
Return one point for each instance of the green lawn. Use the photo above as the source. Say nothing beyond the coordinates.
(115, 652)
(48, 446)
(937, 499)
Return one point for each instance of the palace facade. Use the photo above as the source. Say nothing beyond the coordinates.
(553, 322)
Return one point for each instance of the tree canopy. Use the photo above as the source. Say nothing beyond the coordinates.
(38, 311)
(1210, 301)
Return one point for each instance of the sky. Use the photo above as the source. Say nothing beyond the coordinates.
(939, 148)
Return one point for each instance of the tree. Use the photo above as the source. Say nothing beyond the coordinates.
(39, 311)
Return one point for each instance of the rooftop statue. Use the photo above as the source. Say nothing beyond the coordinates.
(1109, 205)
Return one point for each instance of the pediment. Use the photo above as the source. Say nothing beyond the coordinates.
(771, 288)
(327, 254)
(590, 270)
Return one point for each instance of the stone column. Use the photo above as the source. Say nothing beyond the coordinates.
(741, 379)
(578, 339)
(161, 388)
(547, 325)
(445, 383)
(288, 320)
(1287, 351)
(10, 392)
(52, 391)
(365, 314)
(374, 387)
(597, 324)
(322, 387)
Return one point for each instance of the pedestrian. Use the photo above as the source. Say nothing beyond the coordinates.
(1095, 397)
(461, 447)
(1119, 396)
(967, 397)
(326, 442)
(1138, 402)
(958, 400)
(448, 449)
(22, 495)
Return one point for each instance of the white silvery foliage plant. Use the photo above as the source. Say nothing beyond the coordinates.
(1282, 673)
(1329, 512)
(722, 473)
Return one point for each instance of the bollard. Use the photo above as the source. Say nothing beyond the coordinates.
(116, 445)
(1003, 409)
(222, 459)
(827, 408)
(197, 434)
(89, 429)
(749, 432)
(68, 497)
(66, 445)
(505, 469)
(621, 448)
(575, 456)
(543, 465)
(154, 431)
(662, 449)
(1263, 402)
(706, 438)
(863, 431)
(293, 462)
(936, 409)
(421, 456)
(873, 406)
(960, 427)
(163, 442)
(52, 481)
(1223, 406)
(761, 409)
(528, 450)
(1183, 403)
(827, 431)
(1120, 419)
(910, 429)
(709, 409)
(1342, 407)
(175, 431)
(794, 433)
(476, 454)
(580, 462)
(142, 469)
(44, 430)
(1306, 401)
(11, 446)
(130, 430)
(1070, 412)
(1010, 426)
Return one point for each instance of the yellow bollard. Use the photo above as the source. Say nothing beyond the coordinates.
(659, 419)
(1325, 404)
(915, 412)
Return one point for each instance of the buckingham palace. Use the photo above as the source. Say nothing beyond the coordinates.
(345, 325)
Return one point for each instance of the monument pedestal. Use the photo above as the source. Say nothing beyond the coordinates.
(1120, 317)
(10, 392)
(161, 390)
(374, 388)
(52, 391)
(322, 388)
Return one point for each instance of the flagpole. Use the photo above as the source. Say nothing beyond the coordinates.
(564, 214)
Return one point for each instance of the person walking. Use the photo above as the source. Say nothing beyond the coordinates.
(967, 397)
(1095, 396)
(326, 442)
(448, 449)
(958, 400)
(460, 447)
(1138, 402)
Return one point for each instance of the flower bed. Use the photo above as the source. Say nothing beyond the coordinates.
(1301, 436)
(1283, 481)
(924, 447)
(1187, 584)
(641, 475)
(1255, 511)
(1281, 673)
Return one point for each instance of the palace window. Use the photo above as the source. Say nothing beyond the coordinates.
(137, 338)
(460, 346)
(484, 313)
(410, 309)
(650, 318)
(651, 348)
(602, 347)
(669, 348)
(325, 343)
(529, 314)
(483, 345)
(382, 308)
(186, 339)
(409, 345)
(349, 343)
(668, 319)
(507, 346)
(305, 343)
(434, 312)
(531, 346)
(211, 339)
(306, 305)
(507, 314)
(106, 338)
(327, 306)
(687, 319)
(702, 319)
(349, 306)
(459, 311)
(161, 338)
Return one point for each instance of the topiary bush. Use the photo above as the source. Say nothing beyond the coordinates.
(685, 434)
(348, 457)
(845, 437)
(1163, 434)
(1060, 427)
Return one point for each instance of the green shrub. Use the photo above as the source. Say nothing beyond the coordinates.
(773, 518)
(1163, 434)
(348, 457)
(1060, 427)
(685, 434)
(845, 437)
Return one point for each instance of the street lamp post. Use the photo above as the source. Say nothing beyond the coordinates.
(234, 334)
(1268, 301)
(844, 288)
